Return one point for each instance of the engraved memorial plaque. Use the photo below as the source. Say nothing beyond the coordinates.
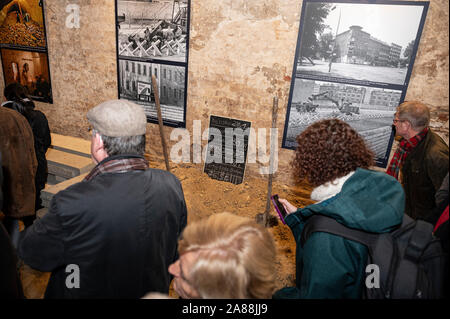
(227, 149)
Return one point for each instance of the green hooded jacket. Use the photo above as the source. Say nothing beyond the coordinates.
(329, 266)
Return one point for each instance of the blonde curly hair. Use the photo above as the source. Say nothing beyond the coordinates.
(235, 257)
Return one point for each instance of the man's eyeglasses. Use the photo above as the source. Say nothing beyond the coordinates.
(396, 121)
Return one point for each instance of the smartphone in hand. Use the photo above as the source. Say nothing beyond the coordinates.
(279, 208)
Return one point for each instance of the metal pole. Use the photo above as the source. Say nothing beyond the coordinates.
(265, 218)
(160, 121)
(272, 155)
(334, 43)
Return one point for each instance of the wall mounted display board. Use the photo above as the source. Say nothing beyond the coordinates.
(153, 39)
(227, 149)
(23, 47)
(353, 61)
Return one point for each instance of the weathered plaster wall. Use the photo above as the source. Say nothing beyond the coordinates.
(241, 56)
(82, 63)
(430, 76)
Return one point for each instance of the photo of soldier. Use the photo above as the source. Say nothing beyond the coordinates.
(30, 69)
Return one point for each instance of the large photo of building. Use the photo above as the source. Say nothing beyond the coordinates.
(353, 61)
(370, 42)
(136, 85)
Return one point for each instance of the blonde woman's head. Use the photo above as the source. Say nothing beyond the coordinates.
(225, 256)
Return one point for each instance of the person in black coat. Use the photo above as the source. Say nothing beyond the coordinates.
(18, 100)
(114, 234)
(10, 284)
(439, 218)
(1, 183)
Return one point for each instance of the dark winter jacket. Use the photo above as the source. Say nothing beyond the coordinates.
(422, 174)
(1, 182)
(329, 266)
(18, 164)
(10, 284)
(42, 141)
(119, 229)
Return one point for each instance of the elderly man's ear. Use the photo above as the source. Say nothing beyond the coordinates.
(98, 152)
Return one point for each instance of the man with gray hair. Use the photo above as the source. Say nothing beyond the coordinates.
(114, 234)
(420, 162)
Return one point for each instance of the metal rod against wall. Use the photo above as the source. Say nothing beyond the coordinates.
(266, 219)
(160, 121)
(272, 154)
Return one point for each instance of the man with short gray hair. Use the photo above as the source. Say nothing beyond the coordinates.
(420, 162)
(114, 234)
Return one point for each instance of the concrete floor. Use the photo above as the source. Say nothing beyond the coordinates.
(34, 282)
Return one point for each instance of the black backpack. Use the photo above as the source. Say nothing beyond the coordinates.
(410, 259)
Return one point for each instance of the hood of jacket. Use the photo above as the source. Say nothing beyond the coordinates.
(368, 200)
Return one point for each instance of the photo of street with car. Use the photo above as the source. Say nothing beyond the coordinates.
(353, 62)
(368, 110)
(364, 42)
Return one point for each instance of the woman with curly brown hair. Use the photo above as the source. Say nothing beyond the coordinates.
(334, 158)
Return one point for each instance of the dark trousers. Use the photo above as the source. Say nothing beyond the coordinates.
(12, 227)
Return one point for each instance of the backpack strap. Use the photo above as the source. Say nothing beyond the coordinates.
(321, 223)
(412, 278)
(420, 238)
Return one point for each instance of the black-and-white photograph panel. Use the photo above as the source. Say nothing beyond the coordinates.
(373, 42)
(153, 29)
(369, 110)
(135, 84)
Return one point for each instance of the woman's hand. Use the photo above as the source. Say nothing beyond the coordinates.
(287, 206)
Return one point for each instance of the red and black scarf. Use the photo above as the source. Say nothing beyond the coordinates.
(119, 164)
(404, 148)
(442, 219)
